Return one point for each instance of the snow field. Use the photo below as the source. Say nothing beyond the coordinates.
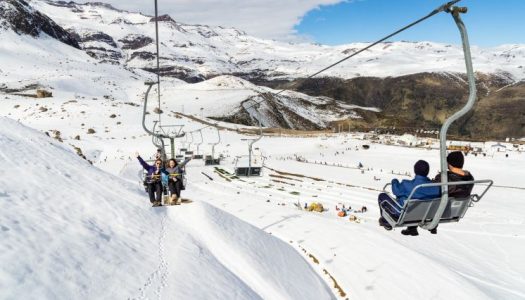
(71, 231)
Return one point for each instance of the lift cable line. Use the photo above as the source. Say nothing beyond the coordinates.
(443, 8)
(440, 9)
(158, 53)
(160, 131)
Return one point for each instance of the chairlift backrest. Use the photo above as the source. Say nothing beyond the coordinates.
(422, 212)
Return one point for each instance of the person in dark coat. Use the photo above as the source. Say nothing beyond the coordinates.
(403, 189)
(153, 179)
(455, 172)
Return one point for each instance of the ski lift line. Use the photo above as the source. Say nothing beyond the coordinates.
(158, 52)
(442, 8)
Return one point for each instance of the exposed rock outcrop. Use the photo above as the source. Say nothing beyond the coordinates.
(20, 17)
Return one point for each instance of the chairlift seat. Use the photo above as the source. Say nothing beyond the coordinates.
(422, 211)
(183, 149)
(416, 212)
(197, 156)
(246, 171)
(210, 161)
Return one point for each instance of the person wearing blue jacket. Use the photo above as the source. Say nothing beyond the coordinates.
(153, 179)
(403, 189)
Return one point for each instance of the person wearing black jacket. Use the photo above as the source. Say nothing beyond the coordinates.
(455, 172)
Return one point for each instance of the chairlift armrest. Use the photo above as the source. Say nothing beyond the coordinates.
(387, 192)
(490, 182)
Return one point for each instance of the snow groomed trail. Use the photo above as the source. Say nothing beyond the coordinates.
(71, 231)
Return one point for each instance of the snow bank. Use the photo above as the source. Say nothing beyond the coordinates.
(71, 231)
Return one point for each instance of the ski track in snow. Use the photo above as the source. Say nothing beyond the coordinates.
(157, 280)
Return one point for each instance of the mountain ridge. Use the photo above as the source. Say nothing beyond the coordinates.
(198, 52)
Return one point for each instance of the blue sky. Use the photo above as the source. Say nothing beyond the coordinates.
(489, 22)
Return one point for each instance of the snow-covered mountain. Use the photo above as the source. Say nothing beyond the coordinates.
(24, 19)
(196, 52)
(117, 55)
(43, 61)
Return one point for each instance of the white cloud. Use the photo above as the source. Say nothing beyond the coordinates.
(273, 19)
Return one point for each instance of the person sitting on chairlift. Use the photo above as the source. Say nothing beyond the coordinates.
(455, 172)
(403, 189)
(175, 183)
(153, 180)
(158, 155)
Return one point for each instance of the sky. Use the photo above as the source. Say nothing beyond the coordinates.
(489, 23)
(335, 22)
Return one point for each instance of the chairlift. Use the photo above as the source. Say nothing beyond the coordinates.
(159, 131)
(210, 159)
(429, 213)
(198, 155)
(245, 165)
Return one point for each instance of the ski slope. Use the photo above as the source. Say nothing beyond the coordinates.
(478, 258)
(72, 231)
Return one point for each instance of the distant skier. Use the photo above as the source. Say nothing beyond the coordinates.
(402, 190)
(175, 183)
(153, 179)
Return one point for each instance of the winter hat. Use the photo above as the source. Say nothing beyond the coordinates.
(456, 159)
(421, 168)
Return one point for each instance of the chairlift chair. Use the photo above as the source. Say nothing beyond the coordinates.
(210, 159)
(246, 168)
(416, 212)
(429, 213)
(198, 155)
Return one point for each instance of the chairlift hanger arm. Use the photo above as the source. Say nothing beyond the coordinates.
(150, 85)
(219, 138)
(455, 12)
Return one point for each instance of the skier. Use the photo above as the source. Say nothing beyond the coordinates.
(175, 183)
(153, 179)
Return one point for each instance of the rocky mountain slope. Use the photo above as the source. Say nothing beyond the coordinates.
(19, 16)
(425, 100)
